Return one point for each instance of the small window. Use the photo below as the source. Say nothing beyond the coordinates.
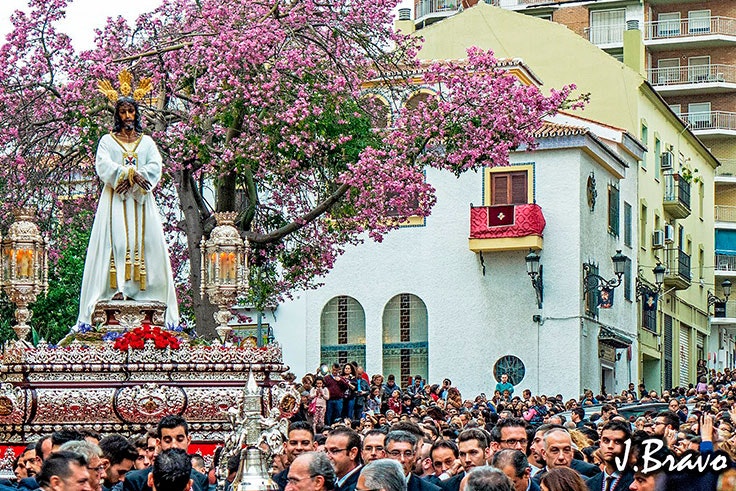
(643, 231)
(509, 188)
(657, 159)
(628, 295)
(645, 141)
(698, 21)
(698, 69)
(699, 115)
(668, 71)
(613, 210)
(627, 224)
(668, 24)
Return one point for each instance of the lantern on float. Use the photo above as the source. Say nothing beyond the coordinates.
(25, 267)
(224, 269)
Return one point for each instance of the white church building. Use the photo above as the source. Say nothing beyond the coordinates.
(450, 296)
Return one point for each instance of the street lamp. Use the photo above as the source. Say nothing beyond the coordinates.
(224, 269)
(594, 281)
(534, 270)
(713, 299)
(25, 267)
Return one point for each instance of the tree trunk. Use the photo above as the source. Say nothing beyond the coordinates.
(194, 226)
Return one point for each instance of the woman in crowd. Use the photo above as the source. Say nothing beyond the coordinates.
(348, 399)
(563, 479)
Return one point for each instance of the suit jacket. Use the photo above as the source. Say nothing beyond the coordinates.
(533, 486)
(138, 480)
(350, 482)
(453, 483)
(416, 483)
(595, 483)
(281, 479)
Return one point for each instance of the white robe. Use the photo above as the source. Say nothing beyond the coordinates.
(96, 282)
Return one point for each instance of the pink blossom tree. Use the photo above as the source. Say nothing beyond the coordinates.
(264, 102)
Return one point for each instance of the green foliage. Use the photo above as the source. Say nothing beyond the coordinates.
(56, 313)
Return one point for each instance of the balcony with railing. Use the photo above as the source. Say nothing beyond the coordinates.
(725, 213)
(677, 269)
(506, 227)
(429, 11)
(607, 35)
(690, 33)
(724, 316)
(711, 123)
(727, 170)
(693, 79)
(676, 196)
(725, 264)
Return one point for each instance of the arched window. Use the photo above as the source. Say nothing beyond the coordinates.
(342, 327)
(413, 101)
(379, 110)
(405, 348)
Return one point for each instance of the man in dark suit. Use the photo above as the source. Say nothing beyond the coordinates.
(171, 471)
(300, 440)
(401, 446)
(613, 436)
(515, 465)
(172, 432)
(557, 452)
(343, 448)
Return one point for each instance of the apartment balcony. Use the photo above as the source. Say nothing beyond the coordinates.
(677, 269)
(725, 264)
(693, 80)
(726, 172)
(506, 228)
(515, 3)
(708, 32)
(724, 316)
(428, 12)
(676, 196)
(725, 214)
(606, 36)
(712, 123)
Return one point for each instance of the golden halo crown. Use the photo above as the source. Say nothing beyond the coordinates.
(125, 78)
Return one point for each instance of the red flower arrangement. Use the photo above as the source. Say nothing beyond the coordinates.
(136, 339)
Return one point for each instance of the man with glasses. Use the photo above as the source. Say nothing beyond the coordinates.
(343, 449)
(311, 471)
(373, 446)
(95, 463)
(665, 424)
(120, 455)
(401, 447)
(509, 434)
(300, 440)
(382, 475)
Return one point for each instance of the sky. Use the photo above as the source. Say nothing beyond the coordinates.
(83, 16)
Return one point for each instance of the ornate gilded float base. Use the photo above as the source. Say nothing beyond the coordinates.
(121, 315)
(96, 386)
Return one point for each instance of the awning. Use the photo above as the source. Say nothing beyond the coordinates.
(614, 337)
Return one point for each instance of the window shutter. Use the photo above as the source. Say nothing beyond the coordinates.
(613, 211)
(518, 188)
(500, 191)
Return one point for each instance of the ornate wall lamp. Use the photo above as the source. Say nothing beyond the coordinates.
(713, 299)
(24, 268)
(534, 270)
(593, 281)
(224, 269)
(644, 287)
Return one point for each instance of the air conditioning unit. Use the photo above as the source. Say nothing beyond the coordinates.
(667, 160)
(669, 234)
(658, 239)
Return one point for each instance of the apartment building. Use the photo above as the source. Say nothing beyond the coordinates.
(675, 179)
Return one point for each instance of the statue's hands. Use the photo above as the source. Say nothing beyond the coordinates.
(123, 187)
(141, 181)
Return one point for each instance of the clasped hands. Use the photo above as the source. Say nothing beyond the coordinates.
(125, 185)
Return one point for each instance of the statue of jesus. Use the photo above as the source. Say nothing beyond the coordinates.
(127, 258)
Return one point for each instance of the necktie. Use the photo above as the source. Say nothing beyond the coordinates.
(609, 482)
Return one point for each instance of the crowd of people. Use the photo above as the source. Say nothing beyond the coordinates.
(354, 433)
